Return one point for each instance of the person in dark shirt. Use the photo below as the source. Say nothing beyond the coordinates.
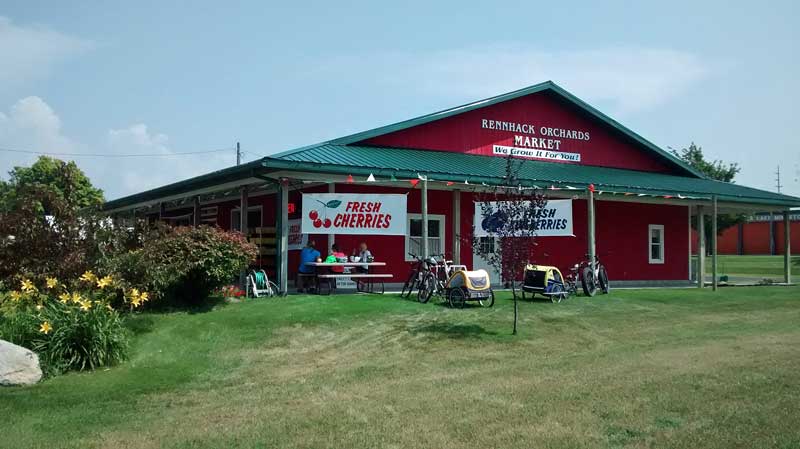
(308, 254)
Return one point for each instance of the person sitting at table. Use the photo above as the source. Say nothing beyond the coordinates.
(364, 255)
(334, 257)
(305, 272)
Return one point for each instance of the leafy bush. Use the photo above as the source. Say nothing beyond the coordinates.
(75, 328)
(185, 264)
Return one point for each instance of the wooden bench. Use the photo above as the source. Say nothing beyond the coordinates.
(366, 286)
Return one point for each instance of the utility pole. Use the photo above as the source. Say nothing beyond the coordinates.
(238, 154)
(778, 179)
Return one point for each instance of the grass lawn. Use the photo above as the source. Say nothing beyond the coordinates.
(647, 368)
(753, 266)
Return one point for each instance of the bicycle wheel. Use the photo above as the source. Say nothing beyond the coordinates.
(489, 302)
(457, 298)
(557, 293)
(410, 284)
(588, 281)
(426, 288)
(602, 279)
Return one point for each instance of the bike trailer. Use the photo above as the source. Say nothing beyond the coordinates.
(475, 284)
(541, 278)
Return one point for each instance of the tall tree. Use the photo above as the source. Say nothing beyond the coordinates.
(63, 180)
(717, 170)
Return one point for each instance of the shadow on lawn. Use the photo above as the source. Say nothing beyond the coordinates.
(452, 330)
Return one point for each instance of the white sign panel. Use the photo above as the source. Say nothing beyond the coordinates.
(297, 240)
(553, 219)
(530, 153)
(354, 213)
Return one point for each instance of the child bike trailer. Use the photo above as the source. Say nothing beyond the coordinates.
(463, 286)
(545, 280)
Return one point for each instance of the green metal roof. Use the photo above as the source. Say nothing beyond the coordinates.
(541, 87)
(458, 167)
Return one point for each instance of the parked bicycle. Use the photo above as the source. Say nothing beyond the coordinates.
(590, 278)
(435, 277)
(414, 277)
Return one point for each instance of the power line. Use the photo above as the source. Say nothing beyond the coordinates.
(50, 153)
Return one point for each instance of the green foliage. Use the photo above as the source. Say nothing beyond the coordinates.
(718, 171)
(184, 264)
(70, 328)
(63, 180)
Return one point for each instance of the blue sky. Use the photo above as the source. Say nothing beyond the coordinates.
(165, 77)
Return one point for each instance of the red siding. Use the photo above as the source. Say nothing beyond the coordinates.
(463, 133)
(621, 234)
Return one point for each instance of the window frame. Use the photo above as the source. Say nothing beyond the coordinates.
(442, 232)
(249, 225)
(660, 229)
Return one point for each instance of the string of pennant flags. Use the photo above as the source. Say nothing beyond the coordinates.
(591, 187)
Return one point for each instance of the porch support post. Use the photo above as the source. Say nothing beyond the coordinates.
(196, 213)
(331, 237)
(456, 227)
(590, 224)
(701, 247)
(771, 234)
(714, 245)
(282, 231)
(243, 210)
(424, 245)
(689, 228)
(162, 211)
(787, 246)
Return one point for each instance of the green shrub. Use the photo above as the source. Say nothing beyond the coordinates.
(185, 264)
(75, 328)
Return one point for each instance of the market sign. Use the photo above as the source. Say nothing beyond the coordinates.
(536, 142)
(354, 213)
(554, 219)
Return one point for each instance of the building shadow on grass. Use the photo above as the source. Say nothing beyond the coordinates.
(453, 330)
(140, 324)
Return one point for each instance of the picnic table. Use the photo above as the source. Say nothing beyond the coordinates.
(365, 282)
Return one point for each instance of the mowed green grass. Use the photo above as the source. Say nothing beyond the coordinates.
(674, 368)
(753, 266)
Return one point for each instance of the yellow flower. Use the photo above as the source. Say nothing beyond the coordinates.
(52, 282)
(16, 296)
(39, 307)
(64, 297)
(86, 305)
(88, 277)
(76, 297)
(46, 327)
(144, 296)
(136, 301)
(134, 293)
(104, 282)
(108, 306)
(27, 286)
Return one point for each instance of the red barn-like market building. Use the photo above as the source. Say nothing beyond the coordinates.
(642, 203)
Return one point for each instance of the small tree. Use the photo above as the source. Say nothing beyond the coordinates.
(509, 214)
(716, 170)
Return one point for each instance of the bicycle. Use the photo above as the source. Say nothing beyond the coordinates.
(414, 277)
(435, 277)
(589, 276)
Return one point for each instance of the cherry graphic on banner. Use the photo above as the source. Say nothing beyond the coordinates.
(591, 188)
(414, 182)
(449, 183)
(349, 179)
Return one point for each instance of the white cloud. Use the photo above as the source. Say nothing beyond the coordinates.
(629, 78)
(31, 124)
(30, 51)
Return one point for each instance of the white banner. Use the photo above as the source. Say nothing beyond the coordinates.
(532, 153)
(297, 240)
(354, 213)
(553, 219)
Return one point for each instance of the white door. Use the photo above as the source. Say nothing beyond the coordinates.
(487, 245)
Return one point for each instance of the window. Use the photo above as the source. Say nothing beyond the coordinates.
(253, 218)
(436, 240)
(656, 243)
